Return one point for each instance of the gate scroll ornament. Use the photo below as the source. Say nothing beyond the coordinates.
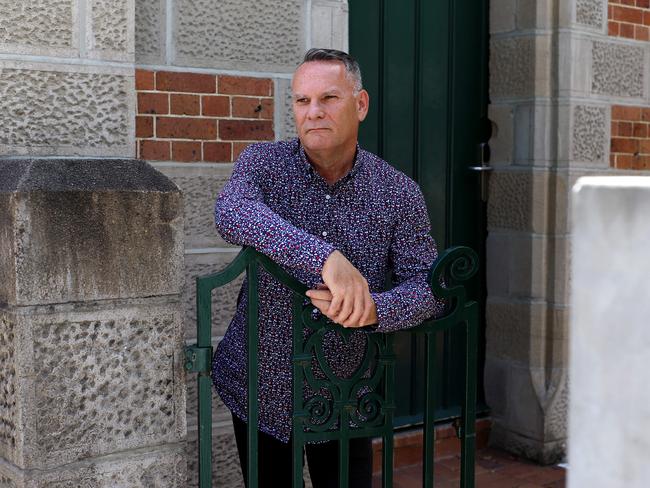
(360, 405)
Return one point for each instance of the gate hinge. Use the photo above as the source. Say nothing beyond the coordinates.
(198, 359)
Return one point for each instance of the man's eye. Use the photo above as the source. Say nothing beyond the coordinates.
(329, 97)
(301, 100)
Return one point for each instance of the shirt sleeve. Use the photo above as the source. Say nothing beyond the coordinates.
(242, 218)
(411, 254)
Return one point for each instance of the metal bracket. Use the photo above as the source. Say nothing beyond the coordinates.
(198, 359)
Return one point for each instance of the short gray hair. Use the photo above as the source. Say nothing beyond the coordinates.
(351, 65)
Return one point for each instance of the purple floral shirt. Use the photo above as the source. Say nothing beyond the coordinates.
(276, 203)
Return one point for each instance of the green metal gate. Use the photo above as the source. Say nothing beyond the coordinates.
(424, 63)
(359, 406)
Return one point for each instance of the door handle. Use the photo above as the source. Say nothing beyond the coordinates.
(483, 168)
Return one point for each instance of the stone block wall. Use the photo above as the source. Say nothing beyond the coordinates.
(211, 79)
(563, 91)
(66, 78)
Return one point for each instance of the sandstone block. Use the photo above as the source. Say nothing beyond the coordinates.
(87, 230)
(91, 379)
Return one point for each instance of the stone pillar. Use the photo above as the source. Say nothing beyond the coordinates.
(91, 338)
(559, 76)
(92, 386)
(610, 340)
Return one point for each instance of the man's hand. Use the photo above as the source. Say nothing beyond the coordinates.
(344, 296)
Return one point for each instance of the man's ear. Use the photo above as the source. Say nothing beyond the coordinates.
(363, 101)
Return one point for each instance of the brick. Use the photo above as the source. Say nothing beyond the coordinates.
(244, 85)
(218, 152)
(246, 107)
(153, 103)
(237, 148)
(640, 130)
(644, 146)
(645, 114)
(246, 130)
(627, 2)
(643, 3)
(624, 112)
(646, 18)
(144, 80)
(614, 129)
(624, 129)
(627, 31)
(185, 104)
(186, 128)
(186, 151)
(267, 109)
(626, 161)
(612, 28)
(622, 145)
(143, 126)
(612, 160)
(641, 33)
(154, 150)
(627, 14)
(185, 82)
(216, 106)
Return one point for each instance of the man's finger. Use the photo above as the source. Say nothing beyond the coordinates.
(367, 309)
(346, 309)
(321, 305)
(357, 311)
(335, 307)
(320, 295)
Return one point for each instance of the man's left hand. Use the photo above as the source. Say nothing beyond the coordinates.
(321, 298)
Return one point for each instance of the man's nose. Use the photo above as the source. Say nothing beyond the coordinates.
(315, 110)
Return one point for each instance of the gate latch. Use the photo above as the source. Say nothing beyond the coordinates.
(197, 359)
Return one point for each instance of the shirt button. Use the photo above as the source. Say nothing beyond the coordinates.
(327, 197)
(324, 234)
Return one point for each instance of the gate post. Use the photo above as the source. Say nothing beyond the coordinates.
(92, 389)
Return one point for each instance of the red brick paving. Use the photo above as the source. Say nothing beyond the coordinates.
(494, 469)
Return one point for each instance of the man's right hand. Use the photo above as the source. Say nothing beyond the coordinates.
(351, 304)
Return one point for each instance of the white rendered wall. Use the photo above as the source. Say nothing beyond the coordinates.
(609, 407)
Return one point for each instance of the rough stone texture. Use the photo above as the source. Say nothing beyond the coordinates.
(590, 12)
(118, 367)
(224, 299)
(43, 111)
(609, 320)
(200, 187)
(502, 16)
(518, 200)
(8, 410)
(163, 468)
(73, 220)
(618, 69)
(109, 23)
(37, 23)
(590, 134)
(149, 30)
(225, 461)
(512, 67)
(262, 35)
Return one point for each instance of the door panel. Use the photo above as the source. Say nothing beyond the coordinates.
(424, 65)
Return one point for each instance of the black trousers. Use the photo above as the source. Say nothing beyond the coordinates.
(275, 461)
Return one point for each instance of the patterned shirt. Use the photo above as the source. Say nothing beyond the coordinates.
(278, 204)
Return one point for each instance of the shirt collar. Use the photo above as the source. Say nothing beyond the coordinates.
(309, 171)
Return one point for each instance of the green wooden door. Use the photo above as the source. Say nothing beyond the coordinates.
(424, 63)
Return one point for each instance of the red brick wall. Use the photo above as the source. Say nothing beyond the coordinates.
(200, 117)
(630, 137)
(629, 18)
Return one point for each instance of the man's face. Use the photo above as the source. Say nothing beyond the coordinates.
(326, 110)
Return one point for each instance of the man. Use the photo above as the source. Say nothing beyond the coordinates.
(337, 218)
